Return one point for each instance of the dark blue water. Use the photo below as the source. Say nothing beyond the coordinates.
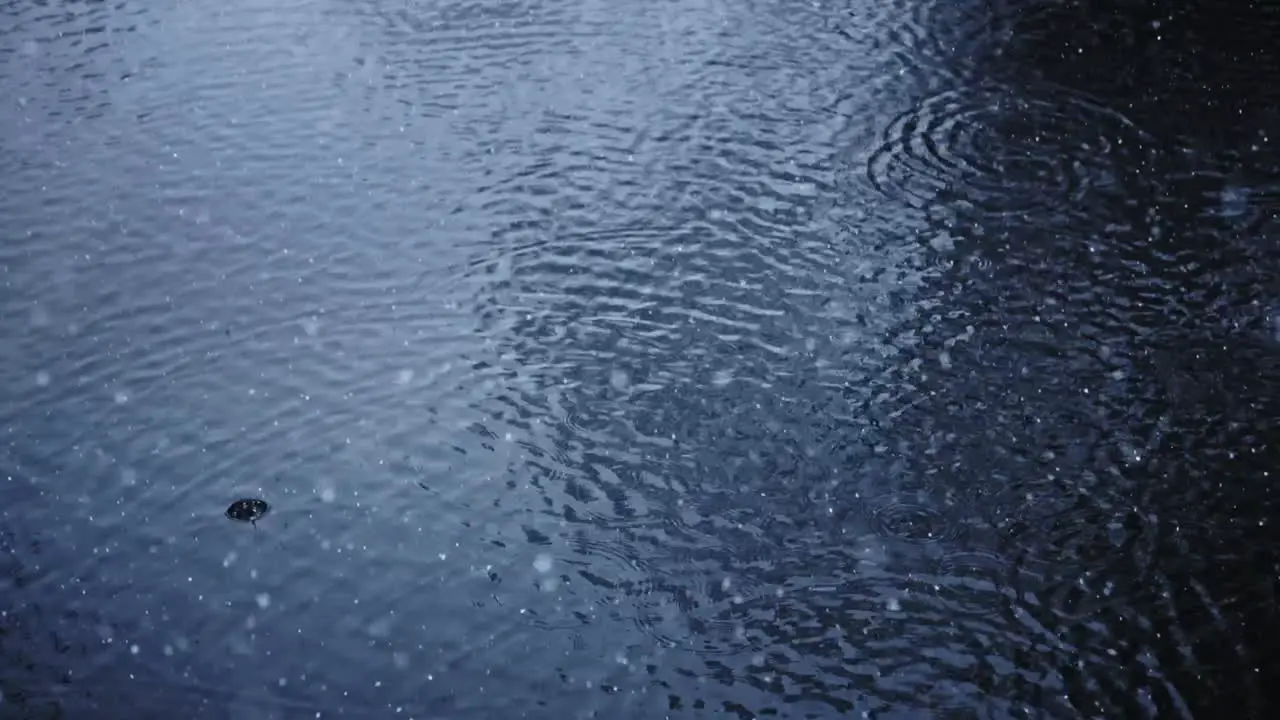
(637, 360)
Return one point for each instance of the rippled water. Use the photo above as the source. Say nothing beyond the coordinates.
(653, 359)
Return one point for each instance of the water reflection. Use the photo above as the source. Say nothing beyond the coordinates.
(632, 359)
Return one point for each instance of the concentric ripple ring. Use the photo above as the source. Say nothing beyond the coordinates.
(1003, 151)
(912, 523)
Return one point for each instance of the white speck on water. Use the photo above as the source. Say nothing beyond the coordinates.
(328, 494)
(726, 583)
(543, 562)
(621, 658)
(264, 600)
(134, 650)
(893, 604)
(129, 477)
(619, 379)
(404, 377)
(311, 326)
(43, 379)
(121, 397)
(1130, 454)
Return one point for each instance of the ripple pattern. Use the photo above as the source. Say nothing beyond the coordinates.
(913, 523)
(1001, 151)
(939, 44)
(798, 354)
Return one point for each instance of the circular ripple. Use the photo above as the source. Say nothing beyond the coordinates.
(911, 522)
(1003, 151)
(984, 569)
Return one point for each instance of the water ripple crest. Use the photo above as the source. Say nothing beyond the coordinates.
(1004, 151)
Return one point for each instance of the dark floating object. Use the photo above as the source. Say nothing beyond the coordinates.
(248, 510)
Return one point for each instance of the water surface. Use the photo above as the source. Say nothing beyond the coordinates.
(687, 359)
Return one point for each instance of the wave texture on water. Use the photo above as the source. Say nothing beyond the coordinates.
(759, 357)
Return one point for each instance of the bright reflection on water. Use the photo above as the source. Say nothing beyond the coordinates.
(634, 359)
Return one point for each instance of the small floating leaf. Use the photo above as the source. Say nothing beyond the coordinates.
(248, 510)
